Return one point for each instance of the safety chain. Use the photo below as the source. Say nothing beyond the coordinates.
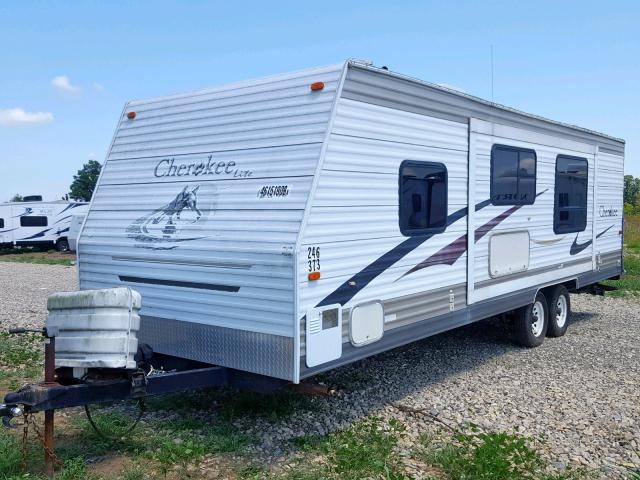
(29, 420)
(25, 436)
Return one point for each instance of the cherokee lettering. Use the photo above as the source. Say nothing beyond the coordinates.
(608, 211)
(168, 167)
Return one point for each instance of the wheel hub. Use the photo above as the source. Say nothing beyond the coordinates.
(537, 314)
(561, 311)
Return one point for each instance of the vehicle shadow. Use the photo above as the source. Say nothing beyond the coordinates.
(369, 385)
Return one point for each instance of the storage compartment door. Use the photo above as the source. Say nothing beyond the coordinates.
(366, 324)
(508, 253)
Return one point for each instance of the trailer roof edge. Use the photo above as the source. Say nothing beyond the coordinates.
(481, 101)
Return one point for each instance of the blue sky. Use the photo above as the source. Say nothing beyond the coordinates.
(68, 67)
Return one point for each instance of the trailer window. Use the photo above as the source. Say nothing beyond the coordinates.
(513, 175)
(1, 222)
(570, 201)
(33, 221)
(423, 197)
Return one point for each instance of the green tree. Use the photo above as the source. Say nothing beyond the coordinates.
(631, 190)
(84, 182)
(16, 198)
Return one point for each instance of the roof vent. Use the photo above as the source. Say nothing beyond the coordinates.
(362, 61)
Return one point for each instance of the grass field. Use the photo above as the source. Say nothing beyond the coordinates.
(630, 284)
(372, 448)
(28, 255)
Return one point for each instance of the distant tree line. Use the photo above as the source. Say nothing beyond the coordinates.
(631, 195)
(83, 185)
(84, 182)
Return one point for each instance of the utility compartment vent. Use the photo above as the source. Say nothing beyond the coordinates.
(95, 328)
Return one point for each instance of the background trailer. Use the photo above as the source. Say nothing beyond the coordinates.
(38, 224)
(290, 224)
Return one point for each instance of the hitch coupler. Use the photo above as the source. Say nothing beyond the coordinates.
(8, 413)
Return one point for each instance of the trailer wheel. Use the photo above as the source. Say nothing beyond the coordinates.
(531, 322)
(62, 245)
(559, 311)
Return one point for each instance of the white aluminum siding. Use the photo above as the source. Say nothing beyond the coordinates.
(230, 265)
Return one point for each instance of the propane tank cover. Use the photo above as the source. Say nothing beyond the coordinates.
(96, 328)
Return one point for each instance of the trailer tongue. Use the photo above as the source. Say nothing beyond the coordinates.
(99, 361)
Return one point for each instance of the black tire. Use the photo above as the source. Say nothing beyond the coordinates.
(559, 310)
(528, 332)
(62, 245)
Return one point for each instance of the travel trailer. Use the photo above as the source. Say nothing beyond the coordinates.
(291, 224)
(37, 223)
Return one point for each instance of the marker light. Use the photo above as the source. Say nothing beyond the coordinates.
(131, 115)
(314, 276)
(317, 86)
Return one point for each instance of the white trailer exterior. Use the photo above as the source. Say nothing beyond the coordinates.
(419, 208)
(40, 224)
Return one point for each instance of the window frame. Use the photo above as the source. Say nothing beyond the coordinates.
(415, 232)
(500, 146)
(556, 230)
(46, 221)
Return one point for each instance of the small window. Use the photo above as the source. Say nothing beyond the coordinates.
(513, 175)
(570, 201)
(1, 222)
(423, 197)
(33, 221)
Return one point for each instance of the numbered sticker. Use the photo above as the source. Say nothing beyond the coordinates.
(273, 191)
(313, 257)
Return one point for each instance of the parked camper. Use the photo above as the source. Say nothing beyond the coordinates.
(291, 224)
(37, 224)
(74, 231)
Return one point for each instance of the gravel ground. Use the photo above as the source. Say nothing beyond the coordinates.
(24, 288)
(579, 394)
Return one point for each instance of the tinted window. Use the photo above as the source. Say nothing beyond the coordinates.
(33, 221)
(570, 203)
(1, 222)
(513, 175)
(423, 197)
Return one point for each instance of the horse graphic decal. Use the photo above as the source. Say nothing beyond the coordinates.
(185, 199)
(163, 228)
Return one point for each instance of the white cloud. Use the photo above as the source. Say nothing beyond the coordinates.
(452, 87)
(62, 83)
(98, 87)
(91, 156)
(17, 116)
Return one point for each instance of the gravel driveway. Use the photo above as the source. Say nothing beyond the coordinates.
(579, 394)
(24, 288)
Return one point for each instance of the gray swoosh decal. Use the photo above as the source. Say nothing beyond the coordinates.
(353, 285)
(579, 247)
(452, 252)
(549, 242)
